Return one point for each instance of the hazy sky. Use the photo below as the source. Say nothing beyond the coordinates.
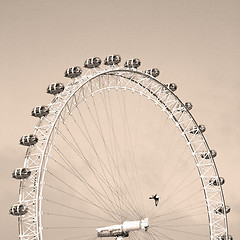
(194, 43)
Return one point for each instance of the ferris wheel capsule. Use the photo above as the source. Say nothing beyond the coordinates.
(92, 62)
(207, 155)
(112, 60)
(216, 181)
(73, 72)
(220, 209)
(153, 72)
(223, 237)
(132, 63)
(21, 173)
(197, 130)
(18, 210)
(188, 106)
(55, 88)
(41, 111)
(172, 86)
(28, 140)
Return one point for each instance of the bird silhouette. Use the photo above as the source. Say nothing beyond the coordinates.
(156, 199)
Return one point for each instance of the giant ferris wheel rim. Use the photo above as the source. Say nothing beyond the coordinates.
(79, 84)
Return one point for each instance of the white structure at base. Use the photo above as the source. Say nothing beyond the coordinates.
(122, 230)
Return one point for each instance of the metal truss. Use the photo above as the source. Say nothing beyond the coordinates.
(78, 90)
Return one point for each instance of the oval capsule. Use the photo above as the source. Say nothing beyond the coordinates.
(153, 72)
(188, 106)
(73, 72)
(172, 86)
(92, 62)
(207, 155)
(55, 88)
(18, 210)
(197, 130)
(112, 60)
(216, 181)
(40, 111)
(223, 237)
(132, 63)
(28, 140)
(21, 173)
(220, 209)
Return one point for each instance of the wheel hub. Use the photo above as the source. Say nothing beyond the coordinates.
(122, 230)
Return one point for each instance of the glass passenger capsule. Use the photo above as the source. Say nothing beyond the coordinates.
(41, 111)
(216, 181)
(92, 62)
(132, 63)
(188, 106)
(207, 155)
(197, 130)
(21, 173)
(55, 88)
(182, 108)
(73, 72)
(18, 210)
(220, 209)
(28, 140)
(223, 237)
(172, 86)
(153, 72)
(112, 60)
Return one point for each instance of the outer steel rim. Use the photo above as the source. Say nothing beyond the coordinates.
(30, 191)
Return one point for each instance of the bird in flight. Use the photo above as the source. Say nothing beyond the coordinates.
(156, 199)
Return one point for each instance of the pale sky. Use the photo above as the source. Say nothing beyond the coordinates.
(193, 43)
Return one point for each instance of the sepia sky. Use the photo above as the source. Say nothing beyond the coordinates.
(194, 43)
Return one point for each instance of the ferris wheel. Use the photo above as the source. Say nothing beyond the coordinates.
(116, 154)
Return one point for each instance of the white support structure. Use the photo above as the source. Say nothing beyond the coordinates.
(30, 193)
(122, 230)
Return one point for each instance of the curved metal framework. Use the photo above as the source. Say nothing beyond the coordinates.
(78, 90)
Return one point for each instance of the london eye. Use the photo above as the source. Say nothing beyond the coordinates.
(117, 155)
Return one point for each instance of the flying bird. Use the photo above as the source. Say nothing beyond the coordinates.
(156, 199)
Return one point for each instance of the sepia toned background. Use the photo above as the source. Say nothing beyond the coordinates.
(194, 44)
